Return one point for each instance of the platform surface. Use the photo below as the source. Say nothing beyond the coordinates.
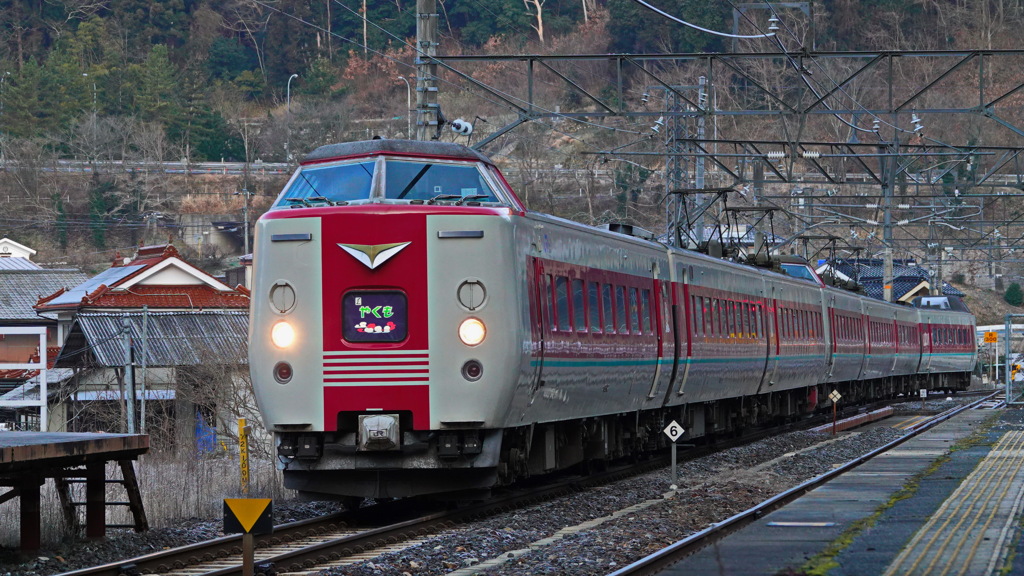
(876, 518)
(28, 450)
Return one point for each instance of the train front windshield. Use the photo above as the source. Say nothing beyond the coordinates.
(392, 180)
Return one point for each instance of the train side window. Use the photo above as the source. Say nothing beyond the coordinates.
(698, 315)
(666, 309)
(716, 328)
(578, 313)
(609, 310)
(549, 299)
(634, 311)
(723, 318)
(562, 303)
(645, 310)
(594, 301)
(620, 310)
(709, 317)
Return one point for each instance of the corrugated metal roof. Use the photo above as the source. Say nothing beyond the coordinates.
(172, 339)
(108, 277)
(21, 289)
(11, 263)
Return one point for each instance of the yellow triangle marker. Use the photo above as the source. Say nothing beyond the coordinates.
(247, 510)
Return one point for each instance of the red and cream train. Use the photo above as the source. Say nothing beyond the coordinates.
(415, 329)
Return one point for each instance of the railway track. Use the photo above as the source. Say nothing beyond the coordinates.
(345, 537)
(349, 537)
(657, 562)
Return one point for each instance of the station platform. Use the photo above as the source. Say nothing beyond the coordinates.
(28, 459)
(948, 501)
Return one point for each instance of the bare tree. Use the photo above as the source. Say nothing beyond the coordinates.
(535, 8)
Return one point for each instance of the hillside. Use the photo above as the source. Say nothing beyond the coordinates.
(988, 305)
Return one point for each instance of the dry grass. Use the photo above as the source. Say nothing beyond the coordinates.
(187, 487)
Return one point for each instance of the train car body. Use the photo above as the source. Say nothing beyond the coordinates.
(416, 330)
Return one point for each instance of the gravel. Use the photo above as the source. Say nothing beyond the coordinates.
(710, 489)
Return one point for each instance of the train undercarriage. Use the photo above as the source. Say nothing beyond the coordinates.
(466, 464)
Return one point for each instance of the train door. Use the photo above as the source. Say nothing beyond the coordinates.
(682, 314)
(538, 320)
(830, 335)
(659, 293)
(895, 343)
(769, 311)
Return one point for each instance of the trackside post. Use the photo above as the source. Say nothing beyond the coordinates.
(674, 431)
(834, 397)
(248, 516)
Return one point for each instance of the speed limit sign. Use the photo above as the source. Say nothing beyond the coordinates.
(674, 431)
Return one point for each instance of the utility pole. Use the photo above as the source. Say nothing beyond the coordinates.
(427, 110)
(245, 219)
(889, 163)
(145, 350)
(129, 372)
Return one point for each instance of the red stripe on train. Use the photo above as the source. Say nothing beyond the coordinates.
(415, 398)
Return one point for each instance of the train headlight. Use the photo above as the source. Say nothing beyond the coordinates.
(472, 331)
(282, 334)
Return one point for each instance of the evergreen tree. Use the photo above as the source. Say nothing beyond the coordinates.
(1014, 296)
(157, 87)
(100, 206)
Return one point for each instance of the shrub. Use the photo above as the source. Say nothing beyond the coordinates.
(1014, 296)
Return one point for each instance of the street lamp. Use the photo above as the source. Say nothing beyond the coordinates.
(288, 120)
(408, 107)
(289, 91)
(86, 76)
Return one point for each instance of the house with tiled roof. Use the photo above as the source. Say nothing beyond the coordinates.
(909, 281)
(154, 306)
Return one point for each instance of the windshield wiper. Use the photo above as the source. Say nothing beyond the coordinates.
(443, 197)
(471, 197)
(299, 201)
(311, 187)
(414, 180)
(327, 201)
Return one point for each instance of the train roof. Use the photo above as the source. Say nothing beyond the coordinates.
(384, 146)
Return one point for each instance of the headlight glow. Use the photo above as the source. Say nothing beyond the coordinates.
(472, 331)
(282, 334)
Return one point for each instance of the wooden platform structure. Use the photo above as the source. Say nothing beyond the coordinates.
(27, 459)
